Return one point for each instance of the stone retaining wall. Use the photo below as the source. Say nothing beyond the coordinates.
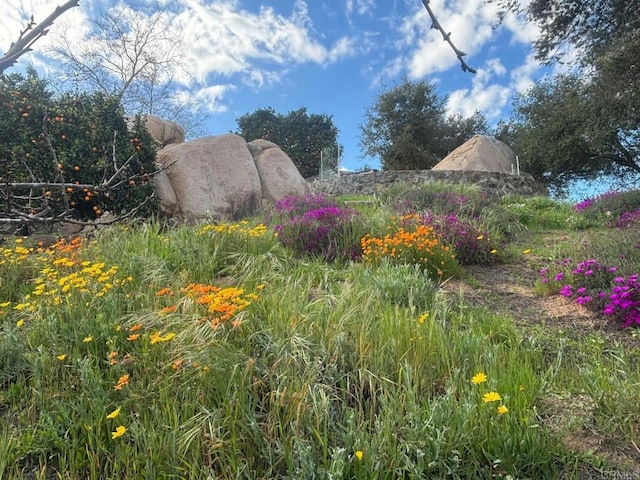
(373, 182)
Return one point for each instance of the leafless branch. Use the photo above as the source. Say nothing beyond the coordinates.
(446, 36)
(31, 34)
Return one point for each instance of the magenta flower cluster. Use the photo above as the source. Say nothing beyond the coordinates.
(583, 205)
(628, 220)
(293, 205)
(596, 286)
(472, 244)
(624, 300)
(314, 225)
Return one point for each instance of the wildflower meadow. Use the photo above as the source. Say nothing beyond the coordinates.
(320, 340)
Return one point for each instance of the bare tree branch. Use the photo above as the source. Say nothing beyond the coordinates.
(31, 34)
(446, 36)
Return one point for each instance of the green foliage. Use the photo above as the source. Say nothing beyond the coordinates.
(73, 139)
(584, 124)
(608, 207)
(342, 370)
(588, 25)
(407, 127)
(301, 136)
(540, 213)
(438, 197)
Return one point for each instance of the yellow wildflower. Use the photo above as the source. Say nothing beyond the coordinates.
(88, 339)
(527, 251)
(118, 433)
(479, 378)
(359, 454)
(491, 397)
(20, 323)
(502, 409)
(157, 338)
(62, 357)
(423, 317)
(115, 413)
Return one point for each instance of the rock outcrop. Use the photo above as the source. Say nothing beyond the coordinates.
(223, 177)
(482, 154)
(279, 176)
(163, 131)
(212, 178)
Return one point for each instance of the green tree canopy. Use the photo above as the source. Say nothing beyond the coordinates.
(588, 25)
(66, 140)
(407, 127)
(585, 124)
(301, 136)
(566, 128)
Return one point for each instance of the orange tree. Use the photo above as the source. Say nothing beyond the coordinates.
(69, 155)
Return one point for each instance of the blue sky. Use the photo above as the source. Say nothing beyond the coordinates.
(332, 57)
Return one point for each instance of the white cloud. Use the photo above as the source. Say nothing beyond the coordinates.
(222, 39)
(361, 7)
(208, 98)
(491, 95)
(483, 96)
(522, 77)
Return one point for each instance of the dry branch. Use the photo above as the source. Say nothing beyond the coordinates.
(446, 36)
(31, 34)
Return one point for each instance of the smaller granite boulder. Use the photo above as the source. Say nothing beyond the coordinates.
(480, 153)
(279, 176)
(256, 147)
(163, 131)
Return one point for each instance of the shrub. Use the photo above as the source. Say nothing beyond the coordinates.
(72, 139)
(471, 243)
(315, 226)
(418, 245)
(438, 197)
(616, 209)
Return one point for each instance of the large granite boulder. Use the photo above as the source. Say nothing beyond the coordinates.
(212, 178)
(480, 153)
(279, 176)
(163, 131)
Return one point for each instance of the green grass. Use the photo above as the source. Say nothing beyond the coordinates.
(318, 371)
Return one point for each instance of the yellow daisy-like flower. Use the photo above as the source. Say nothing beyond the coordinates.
(479, 378)
(62, 357)
(502, 409)
(423, 317)
(88, 339)
(20, 323)
(115, 413)
(359, 454)
(527, 251)
(491, 397)
(119, 432)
